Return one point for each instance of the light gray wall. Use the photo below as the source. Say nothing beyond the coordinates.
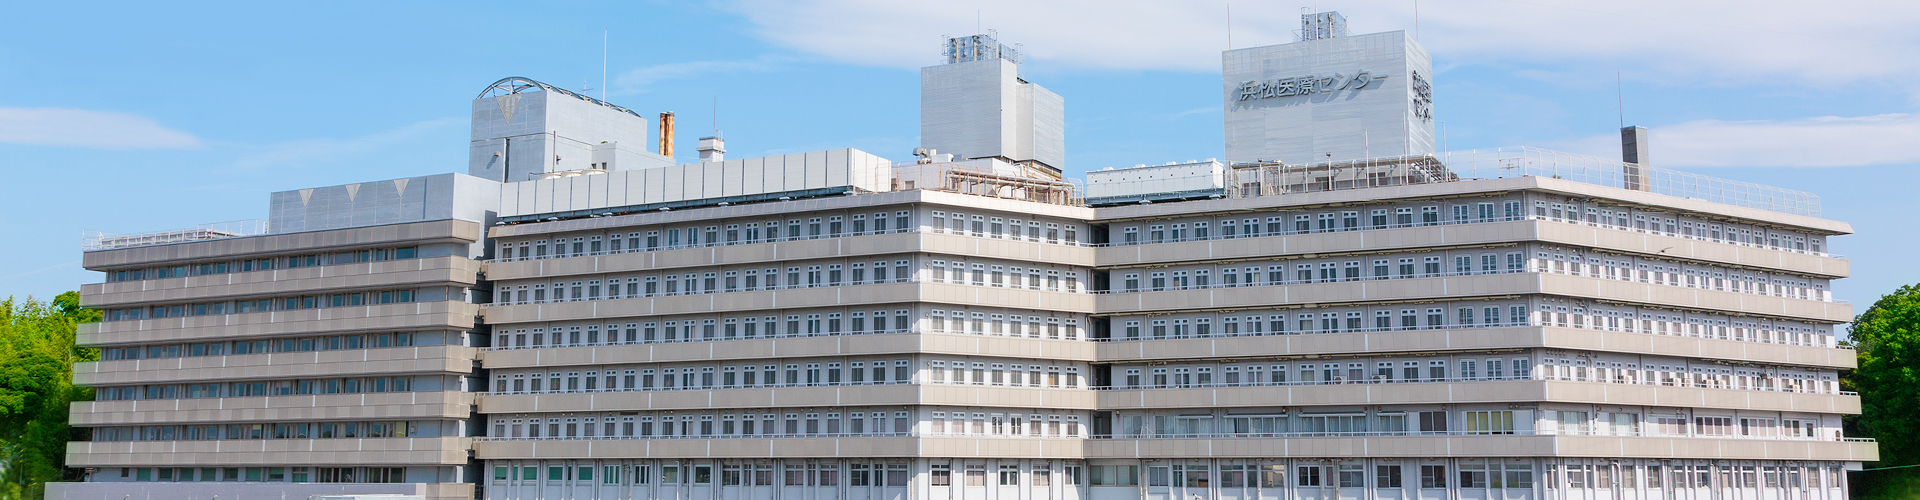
(979, 109)
(551, 132)
(395, 201)
(1351, 124)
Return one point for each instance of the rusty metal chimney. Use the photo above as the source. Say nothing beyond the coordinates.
(1635, 155)
(666, 134)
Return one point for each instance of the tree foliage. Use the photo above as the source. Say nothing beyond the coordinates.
(37, 353)
(1887, 339)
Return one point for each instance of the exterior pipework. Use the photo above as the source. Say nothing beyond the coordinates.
(666, 134)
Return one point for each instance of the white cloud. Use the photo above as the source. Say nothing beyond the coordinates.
(310, 151)
(81, 128)
(1196, 111)
(1826, 141)
(638, 79)
(1717, 41)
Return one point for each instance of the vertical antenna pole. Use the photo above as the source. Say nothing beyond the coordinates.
(1229, 26)
(1620, 93)
(1416, 20)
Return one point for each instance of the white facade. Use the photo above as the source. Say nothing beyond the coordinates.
(1332, 99)
(1151, 179)
(523, 128)
(982, 108)
(840, 168)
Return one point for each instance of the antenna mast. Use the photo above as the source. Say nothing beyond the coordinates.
(1620, 93)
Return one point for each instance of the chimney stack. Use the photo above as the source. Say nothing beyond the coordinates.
(1635, 154)
(713, 148)
(666, 134)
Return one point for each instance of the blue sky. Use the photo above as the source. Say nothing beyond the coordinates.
(136, 117)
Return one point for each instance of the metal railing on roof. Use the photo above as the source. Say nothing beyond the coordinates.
(1248, 180)
(1010, 183)
(91, 240)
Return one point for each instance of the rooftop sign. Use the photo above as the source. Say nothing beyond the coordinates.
(1306, 85)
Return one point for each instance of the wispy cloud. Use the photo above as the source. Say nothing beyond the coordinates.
(1824, 141)
(79, 128)
(1682, 43)
(1196, 111)
(639, 80)
(310, 151)
(70, 264)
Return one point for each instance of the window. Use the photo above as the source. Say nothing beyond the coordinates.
(1433, 476)
(1386, 476)
(1308, 476)
(1489, 422)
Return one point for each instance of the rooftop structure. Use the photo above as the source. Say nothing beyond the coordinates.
(1328, 97)
(523, 128)
(976, 105)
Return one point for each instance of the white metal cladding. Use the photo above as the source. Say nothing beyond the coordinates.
(980, 109)
(378, 203)
(693, 181)
(1379, 120)
(1150, 179)
(516, 137)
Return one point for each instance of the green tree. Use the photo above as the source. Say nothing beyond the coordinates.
(1887, 339)
(37, 353)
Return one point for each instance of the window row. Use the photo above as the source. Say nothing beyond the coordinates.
(1555, 209)
(368, 385)
(1648, 320)
(989, 226)
(268, 474)
(990, 274)
(1420, 265)
(1195, 479)
(614, 379)
(1490, 475)
(264, 305)
(280, 430)
(702, 282)
(237, 347)
(831, 422)
(811, 473)
(1681, 226)
(1683, 374)
(1005, 325)
(1672, 273)
(1340, 320)
(805, 276)
(1446, 264)
(713, 234)
(1555, 312)
(1351, 372)
(709, 329)
(1201, 229)
(1471, 474)
(264, 264)
(849, 422)
(1280, 422)
(1372, 370)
